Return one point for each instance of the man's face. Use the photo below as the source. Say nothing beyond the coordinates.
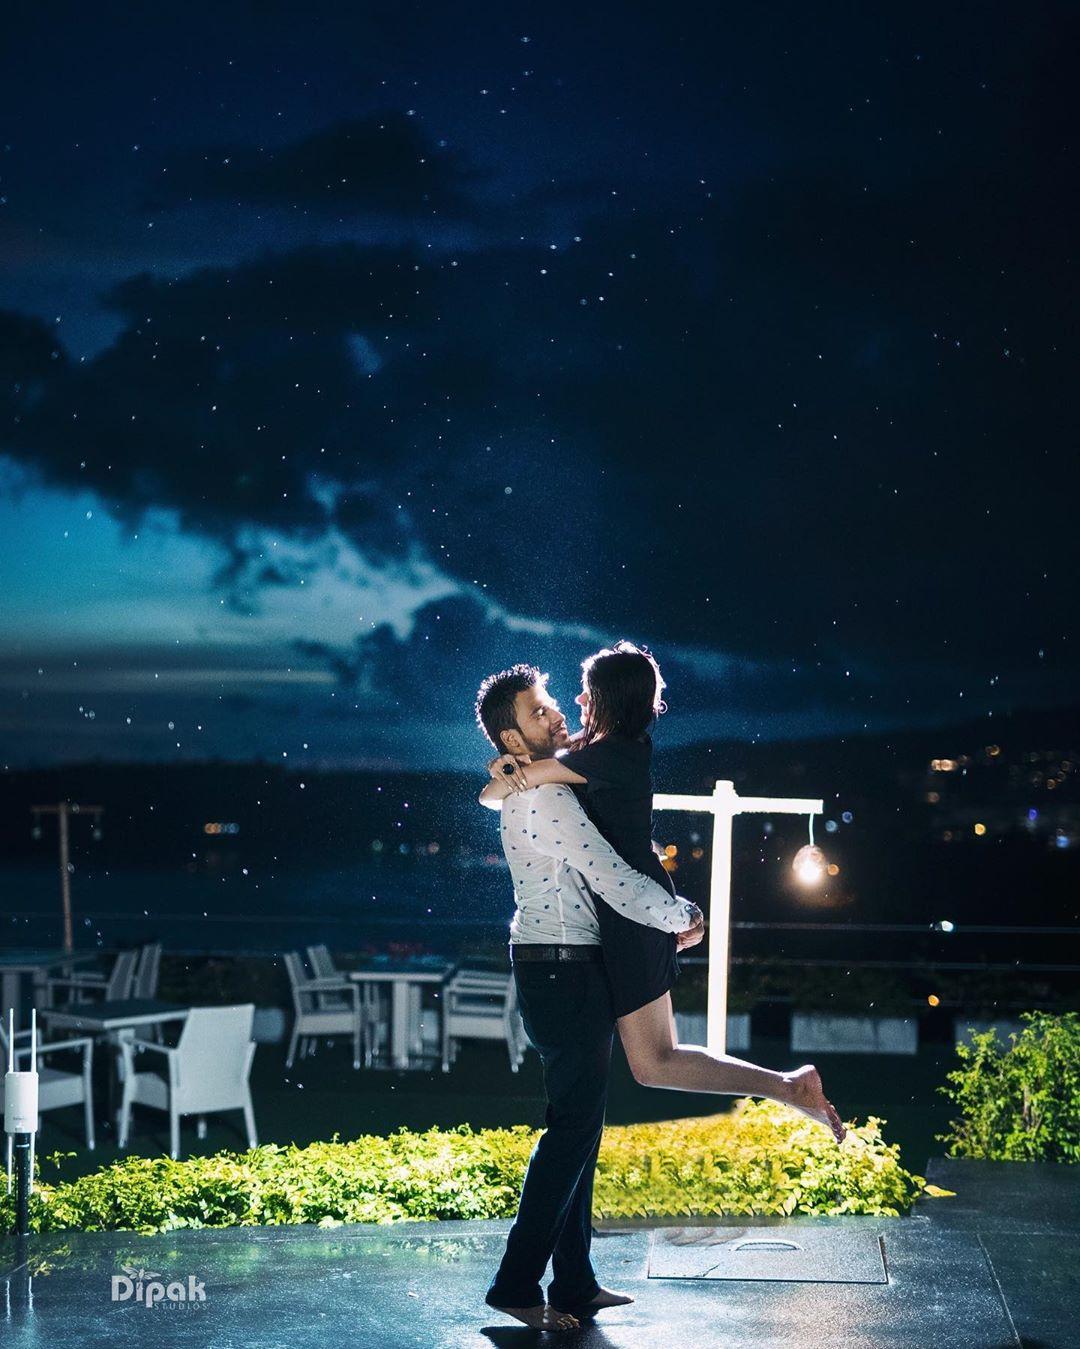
(540, 723)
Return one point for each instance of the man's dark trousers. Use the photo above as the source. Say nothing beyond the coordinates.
(568, 1016)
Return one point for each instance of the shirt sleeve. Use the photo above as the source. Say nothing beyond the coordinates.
(599, 763)
(559, 828)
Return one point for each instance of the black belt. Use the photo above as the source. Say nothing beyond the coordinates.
(546, 951)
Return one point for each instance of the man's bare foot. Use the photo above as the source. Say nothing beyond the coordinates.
(542, 1317)
(808, 1097)
(605, 1298)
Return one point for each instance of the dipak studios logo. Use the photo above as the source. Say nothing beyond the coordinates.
(147, 1287)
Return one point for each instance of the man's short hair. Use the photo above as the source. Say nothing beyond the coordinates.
(495, 700)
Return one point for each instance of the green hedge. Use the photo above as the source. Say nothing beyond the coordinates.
(1019, 1102)
(690, 992)
(759, 1158)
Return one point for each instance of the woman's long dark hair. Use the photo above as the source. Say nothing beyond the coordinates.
(625, 686)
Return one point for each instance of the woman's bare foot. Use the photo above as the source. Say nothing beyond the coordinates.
(808, 1097)
(605, 1298)
(542, 1317)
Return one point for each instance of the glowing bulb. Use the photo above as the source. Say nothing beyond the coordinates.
(809, 865)
(934, 1000)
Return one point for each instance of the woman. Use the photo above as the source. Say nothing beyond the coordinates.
(609, 768)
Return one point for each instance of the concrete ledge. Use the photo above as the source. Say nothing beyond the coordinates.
(692, 1028)
(826, 1033)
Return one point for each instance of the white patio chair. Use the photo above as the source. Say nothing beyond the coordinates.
(482, 1005)
(206, 1071)
(115, 986)
(372, 1017)
(310, 1019)
(145, 982)
(56, 1088)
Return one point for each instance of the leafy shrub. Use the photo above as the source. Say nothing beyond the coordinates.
(690, 992)
(215, 981)
(1018, 1102)
(844, 992)
(982, 994)
(759, 1158)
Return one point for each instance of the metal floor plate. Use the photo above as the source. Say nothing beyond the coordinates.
(794, 1254)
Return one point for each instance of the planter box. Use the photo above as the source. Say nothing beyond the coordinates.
(827, 1033)
(268, 1025)
(963, 1025)
(692, 1029)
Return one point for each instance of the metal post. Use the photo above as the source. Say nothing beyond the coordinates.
(22, 1184)
(65, 876)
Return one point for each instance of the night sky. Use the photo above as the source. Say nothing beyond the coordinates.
(348, 353)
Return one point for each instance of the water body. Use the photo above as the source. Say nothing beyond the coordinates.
(439, 906)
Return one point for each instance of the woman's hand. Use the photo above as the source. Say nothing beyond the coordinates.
(515, 779)
(693, 934)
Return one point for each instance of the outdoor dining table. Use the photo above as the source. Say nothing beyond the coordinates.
(118, 1019)
(17, 961)
(120, 1014)
(406, 977)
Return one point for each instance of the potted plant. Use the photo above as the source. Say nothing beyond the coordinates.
(852, 1011)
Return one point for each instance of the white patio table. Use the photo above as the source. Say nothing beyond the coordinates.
(115, 1020)
(406, 976)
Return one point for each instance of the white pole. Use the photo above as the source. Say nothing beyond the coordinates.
(724, 805)
(723, 808)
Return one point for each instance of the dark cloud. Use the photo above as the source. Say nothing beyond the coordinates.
(384, 163)
(792, 419)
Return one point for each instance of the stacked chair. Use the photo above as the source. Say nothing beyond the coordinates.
(372, 1017)
(145, 982)
(482, 1005)
(111, 987)
(344, 1015)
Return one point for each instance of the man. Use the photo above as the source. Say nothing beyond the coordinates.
(558, 863)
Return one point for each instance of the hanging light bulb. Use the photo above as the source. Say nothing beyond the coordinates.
(809, 865)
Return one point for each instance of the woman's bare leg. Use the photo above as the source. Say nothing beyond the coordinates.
(658, 1060)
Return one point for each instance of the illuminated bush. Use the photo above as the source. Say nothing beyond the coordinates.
(758, 1159)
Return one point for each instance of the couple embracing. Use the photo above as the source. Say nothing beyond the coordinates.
(593, 944)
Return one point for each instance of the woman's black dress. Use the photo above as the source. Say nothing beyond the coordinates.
(641, 962)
